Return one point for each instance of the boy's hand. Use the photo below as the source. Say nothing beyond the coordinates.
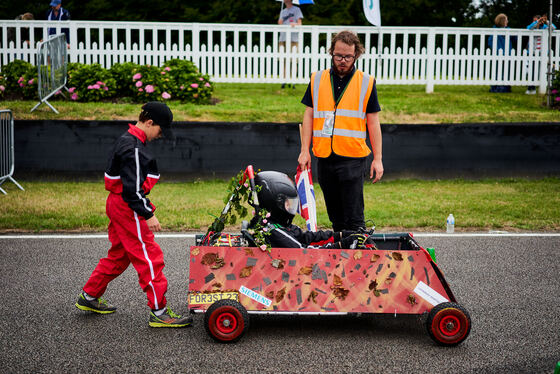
(153, 224)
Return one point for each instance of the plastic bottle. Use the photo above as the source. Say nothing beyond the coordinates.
(450, 224)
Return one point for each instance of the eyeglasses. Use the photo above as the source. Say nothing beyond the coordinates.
(345, 58)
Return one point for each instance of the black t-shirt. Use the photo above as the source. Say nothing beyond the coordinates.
(339, 85)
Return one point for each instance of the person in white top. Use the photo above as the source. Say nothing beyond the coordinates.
(290, 15)
(537, 24)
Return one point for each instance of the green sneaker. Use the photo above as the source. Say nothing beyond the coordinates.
(169, 319)
(97, 306)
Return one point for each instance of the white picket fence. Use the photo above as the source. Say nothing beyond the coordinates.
(251, 53)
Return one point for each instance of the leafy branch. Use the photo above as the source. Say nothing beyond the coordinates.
(240, 193)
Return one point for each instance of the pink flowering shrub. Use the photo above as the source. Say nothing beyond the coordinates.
(188, 84)
(90, 82)
(176, 80)
(28, 84)
(148, 84)
(125, 77)
(2, 85)
(18, 79)
(555, 91)
(12, 73)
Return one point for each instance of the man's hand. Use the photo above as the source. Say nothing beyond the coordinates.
(153, 224)
(306, 136)
(376, 169)
(304, 160)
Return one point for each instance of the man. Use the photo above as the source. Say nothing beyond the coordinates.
(290, 15)
(342, 109)
(130, 175)
(58, 13)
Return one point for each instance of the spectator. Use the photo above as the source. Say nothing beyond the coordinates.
(341, 113)
(290, 15)
(58, 13)
(501, 21)
(538, 23)
(24, 30)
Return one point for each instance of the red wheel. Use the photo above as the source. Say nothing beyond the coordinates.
(226, 321)
(448, 324)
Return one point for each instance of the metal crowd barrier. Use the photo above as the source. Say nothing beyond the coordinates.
(52, 66)
(7, 148)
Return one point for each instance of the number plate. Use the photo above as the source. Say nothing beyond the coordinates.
(210, 298)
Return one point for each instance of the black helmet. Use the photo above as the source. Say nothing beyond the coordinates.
(278, 196)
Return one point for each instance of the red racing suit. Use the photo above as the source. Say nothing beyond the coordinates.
(130, 175)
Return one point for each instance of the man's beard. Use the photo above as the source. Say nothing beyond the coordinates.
(341, 73)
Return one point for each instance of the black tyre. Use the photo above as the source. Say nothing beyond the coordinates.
(448, 324)
(226, 321)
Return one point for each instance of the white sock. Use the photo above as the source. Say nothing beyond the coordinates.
(88, 297)
(159, 312)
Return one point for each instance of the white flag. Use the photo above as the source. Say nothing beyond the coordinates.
(371, 10)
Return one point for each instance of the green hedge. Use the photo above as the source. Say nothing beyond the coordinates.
(175, 80)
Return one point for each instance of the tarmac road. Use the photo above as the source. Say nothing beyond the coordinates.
(509, 284)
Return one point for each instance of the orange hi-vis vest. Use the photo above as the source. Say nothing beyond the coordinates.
(349, 134)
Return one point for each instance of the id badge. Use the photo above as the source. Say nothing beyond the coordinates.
(328, 125)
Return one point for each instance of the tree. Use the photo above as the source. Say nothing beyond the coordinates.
(324, 12)
(520, 12)
(424, 12)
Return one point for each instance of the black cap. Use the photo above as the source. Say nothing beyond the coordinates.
(161, 115)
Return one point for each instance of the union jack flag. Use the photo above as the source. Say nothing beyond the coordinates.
(307, 208)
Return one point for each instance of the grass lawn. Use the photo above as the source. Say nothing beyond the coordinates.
(268, 103)
(411, 205)
(408, 205)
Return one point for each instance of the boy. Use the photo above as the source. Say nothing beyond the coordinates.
(130, 175)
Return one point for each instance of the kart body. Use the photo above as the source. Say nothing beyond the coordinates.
(229, 280)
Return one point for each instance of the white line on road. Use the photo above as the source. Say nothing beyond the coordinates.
(486, 235)
(191, 236)
(86, 236)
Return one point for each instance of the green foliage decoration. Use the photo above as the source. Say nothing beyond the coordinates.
(260, 229)
(239, 194)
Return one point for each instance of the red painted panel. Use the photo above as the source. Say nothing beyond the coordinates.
(316, 280)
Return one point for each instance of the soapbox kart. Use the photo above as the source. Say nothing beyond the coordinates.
(231, 277)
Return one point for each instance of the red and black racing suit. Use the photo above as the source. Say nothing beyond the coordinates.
(130, 175)
(291, 236)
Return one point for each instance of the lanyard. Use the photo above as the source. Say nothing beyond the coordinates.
(59, 15)
(343, 91)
